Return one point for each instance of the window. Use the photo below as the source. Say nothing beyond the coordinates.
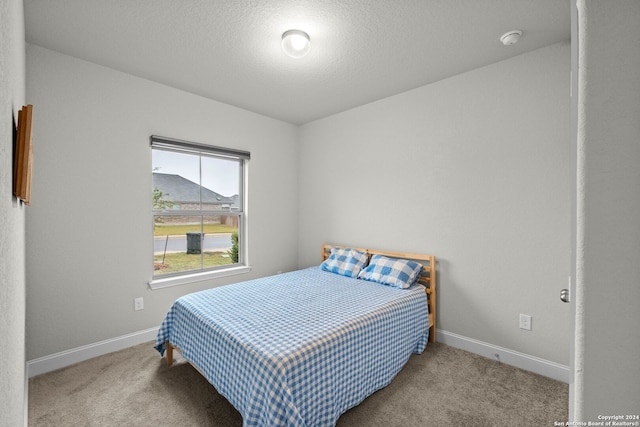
(198, 211)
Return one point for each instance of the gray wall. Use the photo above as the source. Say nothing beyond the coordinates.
(608, 220)
(12, 223)
(89, 231)
(473, 169)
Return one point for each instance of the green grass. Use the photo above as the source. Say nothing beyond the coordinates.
(177, 229)
(181, 261)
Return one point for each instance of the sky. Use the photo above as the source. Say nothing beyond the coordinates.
(219, 175)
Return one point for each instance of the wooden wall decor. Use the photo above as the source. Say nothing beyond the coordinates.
(23, 162)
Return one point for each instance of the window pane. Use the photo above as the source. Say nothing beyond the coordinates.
(177, 243)
(222, 177)
(176, 180)
(218, 243)
(192, 243)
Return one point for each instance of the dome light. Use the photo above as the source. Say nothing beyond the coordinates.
(296, 43)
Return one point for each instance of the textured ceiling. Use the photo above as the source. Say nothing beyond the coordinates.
(229, 50)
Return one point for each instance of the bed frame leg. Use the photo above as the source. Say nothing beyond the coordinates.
(169, 350)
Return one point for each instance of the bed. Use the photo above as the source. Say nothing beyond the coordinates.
(301, 348)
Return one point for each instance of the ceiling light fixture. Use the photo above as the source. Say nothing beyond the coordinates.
(296, 43)
(511, 37)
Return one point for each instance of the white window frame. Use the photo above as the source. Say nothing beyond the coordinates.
(242, 266)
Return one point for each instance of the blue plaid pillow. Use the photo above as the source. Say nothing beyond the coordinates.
(399, 273)
(345, 261)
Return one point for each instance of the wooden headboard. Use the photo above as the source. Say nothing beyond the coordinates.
(427, 278)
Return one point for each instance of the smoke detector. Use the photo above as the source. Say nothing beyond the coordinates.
(511, 37)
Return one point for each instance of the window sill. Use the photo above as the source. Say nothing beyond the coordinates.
(197, 277)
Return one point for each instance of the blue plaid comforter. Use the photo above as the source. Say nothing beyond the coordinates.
(300, 348)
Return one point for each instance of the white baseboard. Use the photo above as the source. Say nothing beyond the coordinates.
(66, 358)
(509, 357)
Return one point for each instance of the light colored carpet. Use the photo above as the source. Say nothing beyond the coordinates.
(442, 387)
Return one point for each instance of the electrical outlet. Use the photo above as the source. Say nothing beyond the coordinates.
(525, 322)
(138, 304)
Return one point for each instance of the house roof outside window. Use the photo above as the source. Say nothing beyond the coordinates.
(180, 190)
